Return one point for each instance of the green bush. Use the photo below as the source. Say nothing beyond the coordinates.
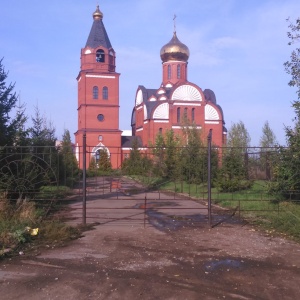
(232, 185)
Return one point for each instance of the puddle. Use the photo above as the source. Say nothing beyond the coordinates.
(71, 255)
(223, 263)
(165, 222)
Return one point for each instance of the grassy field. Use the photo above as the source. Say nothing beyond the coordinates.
(255, 205)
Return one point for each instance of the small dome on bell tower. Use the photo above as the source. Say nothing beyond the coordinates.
(97, 15)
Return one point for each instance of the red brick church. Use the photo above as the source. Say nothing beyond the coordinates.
(154, 111)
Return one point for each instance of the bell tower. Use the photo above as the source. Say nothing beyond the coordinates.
(98, 97)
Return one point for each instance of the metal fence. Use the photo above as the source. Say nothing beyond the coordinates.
(164, 187)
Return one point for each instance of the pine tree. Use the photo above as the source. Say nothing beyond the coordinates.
(194, 155)
(8, 100)
(268, 138)
(104, 163)
(172, 155)
(233, 174)
(69, 166)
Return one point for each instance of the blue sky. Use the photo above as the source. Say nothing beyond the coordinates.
(237, 49)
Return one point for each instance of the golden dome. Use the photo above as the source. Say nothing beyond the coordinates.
(174, 50)
(97, 15)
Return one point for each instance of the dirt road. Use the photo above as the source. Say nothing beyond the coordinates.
(120, 259)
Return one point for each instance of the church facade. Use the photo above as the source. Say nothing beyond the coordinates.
(174, 103)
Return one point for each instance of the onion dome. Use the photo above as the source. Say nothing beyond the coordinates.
(174, 50)
(97, 15)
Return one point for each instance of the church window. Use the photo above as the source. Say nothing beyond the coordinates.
(105, 93)
(185, 113)
(178, 72)
(160, 130)
(178, 115)
(100, 56)
(169, 72)
(100, 138)
(95, 92)
(100, 117)
(193, 114)
(97, 156)
(111, 60)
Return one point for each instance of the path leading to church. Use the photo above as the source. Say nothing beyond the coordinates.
(123, 259)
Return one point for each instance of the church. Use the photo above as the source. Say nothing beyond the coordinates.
(155, 110)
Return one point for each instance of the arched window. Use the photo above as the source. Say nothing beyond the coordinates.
(100, 56)
(178, 115)
(169, 72)
(105, 93)
(185, 113)
(97, 156)
(95, 92)
(178, 72)
(160, 130)
(193, 114)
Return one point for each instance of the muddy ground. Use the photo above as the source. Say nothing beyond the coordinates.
(130, 255)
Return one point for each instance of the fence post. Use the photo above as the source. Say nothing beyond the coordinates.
(209, 137)
(84, 179)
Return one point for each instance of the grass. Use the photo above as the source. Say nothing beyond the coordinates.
(19, 218)
(255, 205)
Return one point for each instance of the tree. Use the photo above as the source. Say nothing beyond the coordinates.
(8, 100)
(286, 181)
(136, 164)
(267, 143)
(21, 133)
(172, 155)
(238, 136)
(268, 138)
(194, 155)
(104, 161)
(233, 174)
(158, 151)
(69, 166)
(45, 154)
(42, 132)
(292, 66)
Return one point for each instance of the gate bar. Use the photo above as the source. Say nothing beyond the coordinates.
(209, 138)
(84, 180)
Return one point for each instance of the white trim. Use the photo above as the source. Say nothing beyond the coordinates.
(131, 149)
(190, 127)
(212, 122)
(161, 121)
(186, 104)
(140, 107)
(77, 152)
(139, 129)
(145, 122)
(79, 79)
(100, 76)
(173, 61)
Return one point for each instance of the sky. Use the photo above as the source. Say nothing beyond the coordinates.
(237, 49)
